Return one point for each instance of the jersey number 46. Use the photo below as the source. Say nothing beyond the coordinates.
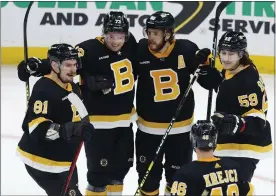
(180, 189)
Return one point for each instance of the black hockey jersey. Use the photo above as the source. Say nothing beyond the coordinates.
(210, 177)
(115, 109)
(244, 94)
(162, 81)
(46, 106)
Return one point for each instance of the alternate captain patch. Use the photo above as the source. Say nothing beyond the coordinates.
(181, 62)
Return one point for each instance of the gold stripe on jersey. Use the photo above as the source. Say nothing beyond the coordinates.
(229, 75)
(114, 189)
(34, 123)
(41, 163)
(113, 121)
(112, 118)
(251, 191)
(243, 150)
(100, 39)
(250, 147)
(165, 125)
(159, 128)
(68, 86)
(255, 113)
(163, 54)
(156, 192)
(208, 159)
(92, 193)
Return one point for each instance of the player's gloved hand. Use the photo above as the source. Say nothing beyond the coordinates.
(228, 123)
(31, 68)
(202, 56)
(209, 77)
(104, 82)
(79, 129)
(96, 83)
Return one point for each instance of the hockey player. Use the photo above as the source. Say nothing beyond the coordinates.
(241, 104)
(209, 175)
(108, 90)
(52, 126)
(107, 84)
(164, 65)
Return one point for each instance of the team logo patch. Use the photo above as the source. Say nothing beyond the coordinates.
(104, 162)
(72, 192)
(80, 51)
(142, 159)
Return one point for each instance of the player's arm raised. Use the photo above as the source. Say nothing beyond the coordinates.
(34, 67)
(209, 78)
(253, 103)
(193, 56)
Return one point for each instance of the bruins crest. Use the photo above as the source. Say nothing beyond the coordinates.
(104, 162)
(142, 159)
(72, 192)
(80, 51)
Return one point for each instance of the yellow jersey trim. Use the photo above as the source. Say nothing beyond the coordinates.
(164, 54)
(68, 86)
(251, 147)
(41, 160)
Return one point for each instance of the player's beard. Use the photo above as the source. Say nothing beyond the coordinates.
(156, 47)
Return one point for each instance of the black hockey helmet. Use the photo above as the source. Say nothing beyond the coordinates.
(233, 41)
(62, 52)
(204, 135)
(160, 20)
(115, 22)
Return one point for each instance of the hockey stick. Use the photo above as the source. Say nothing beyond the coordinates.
(219, 9)
(179, 107)
(26, 49)
(76, 101)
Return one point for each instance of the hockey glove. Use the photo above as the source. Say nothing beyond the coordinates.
(202, 56)
(228, 123)
(68, 130)
(29, 69)
(105, 83)
(209, 78)
(96, 83)
(79, 129)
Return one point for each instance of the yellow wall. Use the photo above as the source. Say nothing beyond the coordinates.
(13, 55)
